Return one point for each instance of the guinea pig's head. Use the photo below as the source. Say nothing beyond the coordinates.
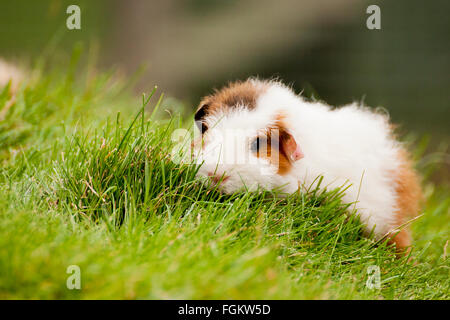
(245, 145)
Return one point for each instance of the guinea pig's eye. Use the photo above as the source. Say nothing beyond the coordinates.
(255, 145)
(204, 127)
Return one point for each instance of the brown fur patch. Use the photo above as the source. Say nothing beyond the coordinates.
(409, 196)
(277, 154)
(235, 94)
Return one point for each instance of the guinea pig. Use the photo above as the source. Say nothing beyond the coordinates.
(260, 135)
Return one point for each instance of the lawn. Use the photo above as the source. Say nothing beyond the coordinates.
(87, 179)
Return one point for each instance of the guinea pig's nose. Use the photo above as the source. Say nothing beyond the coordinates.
(216, 178)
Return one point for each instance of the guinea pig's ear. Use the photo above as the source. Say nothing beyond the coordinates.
(200, 116)
(289, 146)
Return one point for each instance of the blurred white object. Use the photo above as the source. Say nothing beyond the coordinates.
(10, 72)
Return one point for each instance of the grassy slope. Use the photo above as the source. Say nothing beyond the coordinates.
(80, 186)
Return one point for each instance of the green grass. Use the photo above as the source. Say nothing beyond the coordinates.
(81, 185)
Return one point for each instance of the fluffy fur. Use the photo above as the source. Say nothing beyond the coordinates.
(348, 145)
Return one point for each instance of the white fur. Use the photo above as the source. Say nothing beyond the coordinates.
(346, 145)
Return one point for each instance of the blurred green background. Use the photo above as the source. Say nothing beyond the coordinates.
(320, 46)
